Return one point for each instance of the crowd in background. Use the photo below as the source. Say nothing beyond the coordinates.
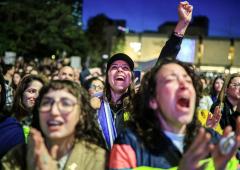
(54, 116)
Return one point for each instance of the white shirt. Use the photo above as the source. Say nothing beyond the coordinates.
(177, 139)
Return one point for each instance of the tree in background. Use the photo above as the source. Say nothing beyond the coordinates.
(40, 28)
(103, 37)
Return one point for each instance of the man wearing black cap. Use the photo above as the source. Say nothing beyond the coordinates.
(119, 87)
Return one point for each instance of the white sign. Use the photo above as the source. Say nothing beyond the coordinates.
(9, 57)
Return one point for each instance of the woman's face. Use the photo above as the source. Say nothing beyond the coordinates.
(16, 78)
(119, 76)
(218, 85)
(59, 113)
(175, 97)
(233, 90)
(95, 87)
(31, 93)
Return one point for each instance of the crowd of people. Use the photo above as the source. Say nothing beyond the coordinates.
(56, 117)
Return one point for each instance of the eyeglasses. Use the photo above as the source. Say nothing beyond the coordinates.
(235, 85)
(96, 87)
(124, 67)
(64, 105)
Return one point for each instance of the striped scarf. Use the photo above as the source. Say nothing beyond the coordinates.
(106, 122)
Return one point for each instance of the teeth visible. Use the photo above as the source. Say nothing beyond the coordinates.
(54, 123)
(119, 78)
(184, 102)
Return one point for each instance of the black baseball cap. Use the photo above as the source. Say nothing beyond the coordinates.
(120, 56)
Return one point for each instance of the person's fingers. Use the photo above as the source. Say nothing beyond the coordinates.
(189, 8)
(226, 131)
(238, 126)
(202, 167)
(210, 115)
(203, 148)
(200, 147)
(54, 151)
(135, 80)
(37, 138)
(184, 3)
(198, 139)
(217, 111)
(238, 141)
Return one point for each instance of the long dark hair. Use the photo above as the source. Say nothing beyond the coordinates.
(87, 127)
(3, 92)
(126, 97)
(213, 92)
(144, 120)
(19, 109)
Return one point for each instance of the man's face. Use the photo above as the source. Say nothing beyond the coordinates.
(66, 73)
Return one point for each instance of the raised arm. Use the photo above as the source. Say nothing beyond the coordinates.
(173, 45)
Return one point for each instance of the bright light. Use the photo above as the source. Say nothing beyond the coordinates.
(136, 46)
(218, 69)
(123, 29)
(105, 56)
(187, 51)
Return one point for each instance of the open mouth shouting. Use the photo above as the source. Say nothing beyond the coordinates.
(183, 103)
(120, 78)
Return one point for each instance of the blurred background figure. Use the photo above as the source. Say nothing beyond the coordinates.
(66, 73)
(8, 71)
(228, 101)
(94, 86)
(16, 80)
(10, 129)
(25, 98)
(216, 88)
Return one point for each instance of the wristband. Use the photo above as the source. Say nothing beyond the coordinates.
(178, 34)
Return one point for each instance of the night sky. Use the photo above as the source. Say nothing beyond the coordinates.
(224, 15)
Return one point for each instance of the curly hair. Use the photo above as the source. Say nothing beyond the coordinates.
(87, 128)
(144, 120)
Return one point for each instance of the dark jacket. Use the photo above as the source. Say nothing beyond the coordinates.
(227, 111)
(129, 152)
(171, 48)
(11, 134)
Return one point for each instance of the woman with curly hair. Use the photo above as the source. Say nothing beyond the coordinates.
(65, 134)
(165, 132)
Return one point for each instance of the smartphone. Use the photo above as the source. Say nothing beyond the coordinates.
(227, 143)
(137, 76)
